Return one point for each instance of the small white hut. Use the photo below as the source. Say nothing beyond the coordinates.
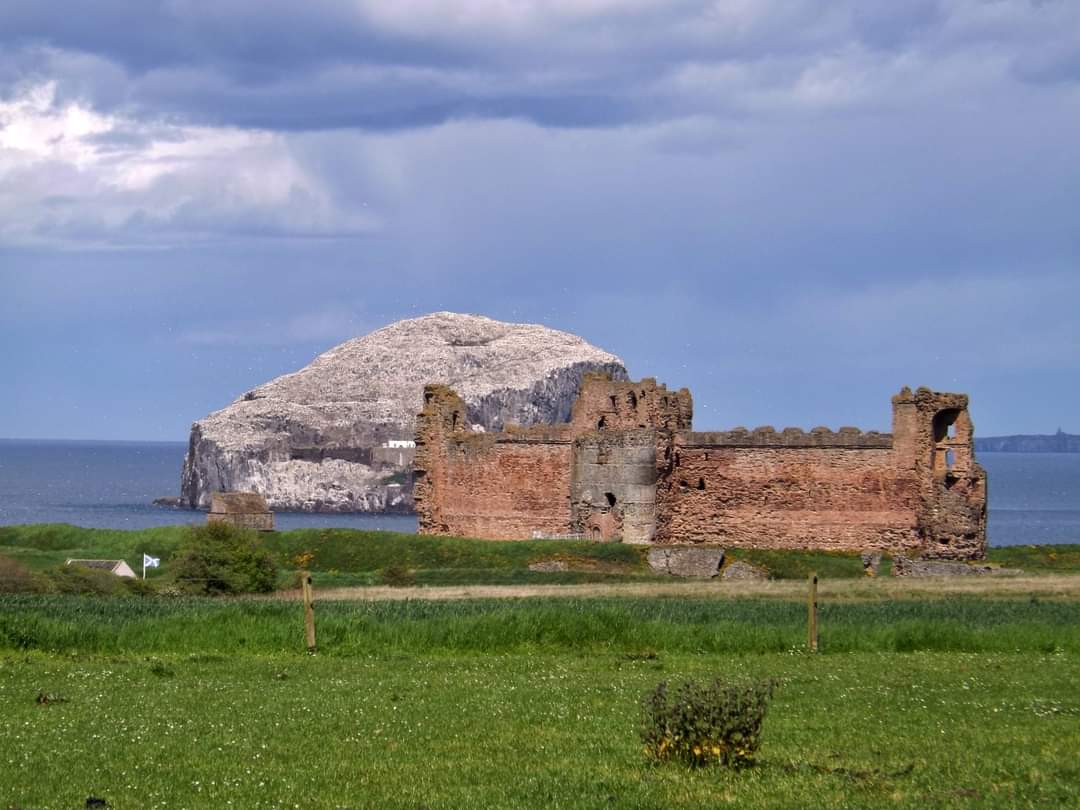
(118, 567)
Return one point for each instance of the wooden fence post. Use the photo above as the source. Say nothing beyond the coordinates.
(811, 616)
(309, 611)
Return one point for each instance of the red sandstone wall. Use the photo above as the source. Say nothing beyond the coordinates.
(789, 497)
(500, 486)
(917, 490)
(506, 489)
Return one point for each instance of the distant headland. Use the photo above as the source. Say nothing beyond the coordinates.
(1059, 442)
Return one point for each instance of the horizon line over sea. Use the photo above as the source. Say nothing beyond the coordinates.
(16, 440)
(1034, 498)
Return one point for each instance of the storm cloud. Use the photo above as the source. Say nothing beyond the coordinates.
(793, 207)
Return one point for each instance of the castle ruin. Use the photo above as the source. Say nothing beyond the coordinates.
(629, 466)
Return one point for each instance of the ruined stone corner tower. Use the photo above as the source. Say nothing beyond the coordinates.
(443, 415)
(621, 429)
(934, 437)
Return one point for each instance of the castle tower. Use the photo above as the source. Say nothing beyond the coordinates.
(443, 416)
(933, 435)
(621, 428)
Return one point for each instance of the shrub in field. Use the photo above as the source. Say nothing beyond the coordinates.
(75, 579)
(83, 581)
(141, 587)
(706, 723)
(219, 558)
(17, 578)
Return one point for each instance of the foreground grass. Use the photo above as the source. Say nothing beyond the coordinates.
(919, 699)
(348, 557)
(530, 730)
(959, 702)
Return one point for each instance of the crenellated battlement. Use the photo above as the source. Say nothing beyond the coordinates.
(606, 404)
(768, 436)
(628, 466)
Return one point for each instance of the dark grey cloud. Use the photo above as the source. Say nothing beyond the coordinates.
(793, 207)
(252, 38)
(379, 65)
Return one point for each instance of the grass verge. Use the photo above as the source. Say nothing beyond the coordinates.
(70, 624)
(348, 557)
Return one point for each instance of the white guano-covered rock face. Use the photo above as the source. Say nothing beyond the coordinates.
(305, 440)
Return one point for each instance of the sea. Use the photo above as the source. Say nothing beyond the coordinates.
(112, 485)
(1034, 497)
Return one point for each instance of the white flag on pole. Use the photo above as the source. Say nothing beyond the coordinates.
(150, 562)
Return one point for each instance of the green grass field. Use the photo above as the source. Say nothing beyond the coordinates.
(86, 625)
(530, 703)
(917, 699)
(531, 730)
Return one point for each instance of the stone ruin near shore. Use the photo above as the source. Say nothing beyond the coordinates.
(245, 510)
(629, 466)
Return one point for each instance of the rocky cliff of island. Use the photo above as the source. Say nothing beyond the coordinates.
(335, 436)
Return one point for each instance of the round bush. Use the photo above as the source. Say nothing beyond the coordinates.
(219, 558)
(706, 723)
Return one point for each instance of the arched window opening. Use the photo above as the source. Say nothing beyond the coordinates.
(945, 424)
